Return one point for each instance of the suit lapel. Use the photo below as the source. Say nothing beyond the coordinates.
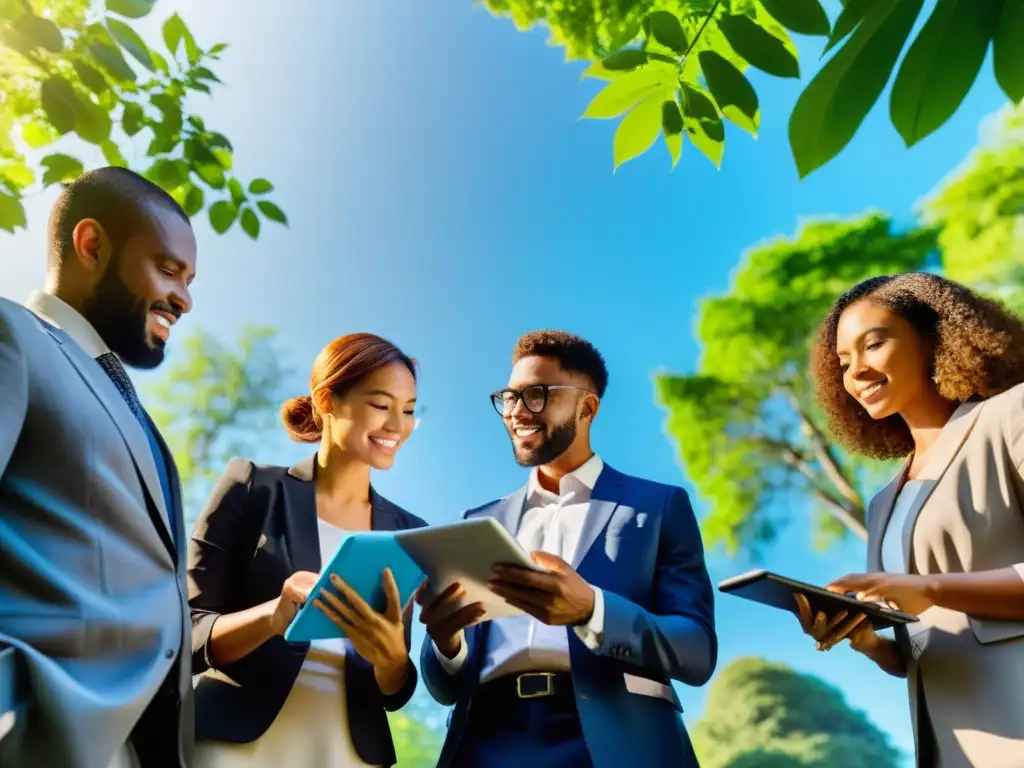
(943, 452)
(510, 512)
(603, 502)
(131, 431)
(300, 520)
(177, 517)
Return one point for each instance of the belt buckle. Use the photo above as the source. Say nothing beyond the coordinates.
(549, 689)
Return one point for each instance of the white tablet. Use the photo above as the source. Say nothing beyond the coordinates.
(467, 552)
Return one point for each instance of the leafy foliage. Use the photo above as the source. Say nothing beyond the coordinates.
(212, 401)
(745, 422)
(67, 71)
(416, 745)
(765, 715)
(979, 209)
(670, 50)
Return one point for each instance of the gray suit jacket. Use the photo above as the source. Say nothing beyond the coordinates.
(91, 590)
(965, 675)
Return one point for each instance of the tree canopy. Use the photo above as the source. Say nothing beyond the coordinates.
(745, 421)
(676, 67)
(979, 210)
(70, 78)
(765, 715)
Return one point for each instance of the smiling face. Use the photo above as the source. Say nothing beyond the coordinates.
(144, 289)
(543, 434)
(373, 420)
(884, 360)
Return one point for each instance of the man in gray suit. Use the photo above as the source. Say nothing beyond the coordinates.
(92, 557)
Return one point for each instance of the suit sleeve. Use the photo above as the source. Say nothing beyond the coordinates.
(14, 386)
(212, 555)
(676, 638)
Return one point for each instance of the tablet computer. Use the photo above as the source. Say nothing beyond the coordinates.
(467, 552)
(779, 592)
(360, 561)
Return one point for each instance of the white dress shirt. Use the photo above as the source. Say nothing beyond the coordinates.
(62, 315)
(550, 523)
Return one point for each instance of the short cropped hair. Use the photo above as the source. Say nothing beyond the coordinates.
(573, 353)
(117, 198)
(977, 352)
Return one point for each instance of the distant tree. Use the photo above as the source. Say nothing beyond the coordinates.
(65, 71)
(676, 66)
(979, 209)
(745, 422)
(765, 715)
(215, 401)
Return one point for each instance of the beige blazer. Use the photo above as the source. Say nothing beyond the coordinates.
(965, 675)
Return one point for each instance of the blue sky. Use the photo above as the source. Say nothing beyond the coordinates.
(443, 192)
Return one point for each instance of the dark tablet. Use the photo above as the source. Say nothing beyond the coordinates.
(779, 592)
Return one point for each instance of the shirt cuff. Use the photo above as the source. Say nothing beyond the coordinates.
(592, 633)
(452, 666)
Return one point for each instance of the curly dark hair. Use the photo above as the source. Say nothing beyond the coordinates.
(978, 352)
(572, 352)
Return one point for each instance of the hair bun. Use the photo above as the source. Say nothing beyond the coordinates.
(300, 421)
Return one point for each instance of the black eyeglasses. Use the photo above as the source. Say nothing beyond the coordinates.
(534, 397)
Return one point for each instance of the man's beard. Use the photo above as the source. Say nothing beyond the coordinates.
(120, 318)
(554, 445)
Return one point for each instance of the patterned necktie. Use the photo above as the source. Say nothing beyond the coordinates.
(119, 376)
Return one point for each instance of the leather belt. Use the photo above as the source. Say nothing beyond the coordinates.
(529, 685)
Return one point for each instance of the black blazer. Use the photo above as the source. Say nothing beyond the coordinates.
(258, 528)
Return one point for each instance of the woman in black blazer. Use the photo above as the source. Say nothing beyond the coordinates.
(255, 555)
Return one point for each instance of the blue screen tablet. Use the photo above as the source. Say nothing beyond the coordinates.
(360, 562)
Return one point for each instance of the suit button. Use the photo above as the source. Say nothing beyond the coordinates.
(168, 654)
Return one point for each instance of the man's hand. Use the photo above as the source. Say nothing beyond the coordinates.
(558, 598)
(443, 621)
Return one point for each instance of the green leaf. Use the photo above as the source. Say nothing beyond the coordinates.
(92, 122)
(224, 158)
(941, 66)
(34, 32)
(260, 187)
(18, 174)
(834, 104)
(622, 94)
(672, 129)
(91, 78)
(174, 30)
(112, 154)
(162, 143)
(132, 9)
(851, 15)
(192, 51)
(129, 39)
(217, 141)
(732, 91)
(111, 59)
(171, 111)
(272, 212)
(625, 60)
(638, 130)
(205, 164)
(12, 213)
(159, 62)
(702, 123)
(169, 174)
(759, 47)
(202, 73)
(218, 48)
(250, 223)
(133, 119)
(666, 29)
(237, 193)
(193, 202)
(58, 97)
(805, 17)
(38, 134)
(1008, 51)
(60, 168)
(222, 215)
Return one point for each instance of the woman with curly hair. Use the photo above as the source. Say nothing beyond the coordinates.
(917, 367)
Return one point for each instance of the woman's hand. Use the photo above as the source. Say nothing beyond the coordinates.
(377, 637)
(828, 631)
(906, 592)
(294, 593)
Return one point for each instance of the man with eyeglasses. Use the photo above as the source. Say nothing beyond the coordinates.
(624, 607)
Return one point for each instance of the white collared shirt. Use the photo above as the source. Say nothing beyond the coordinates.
(550, 523)
(62, 315)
